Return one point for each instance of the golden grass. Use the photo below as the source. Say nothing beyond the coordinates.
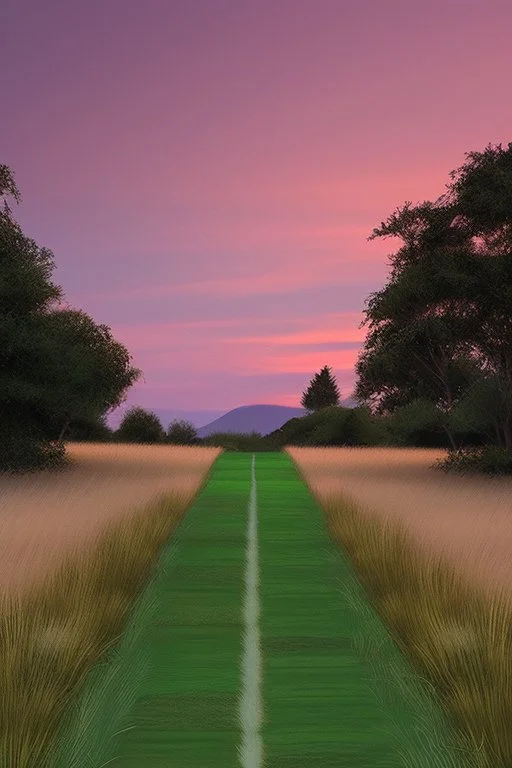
(467, 520)
(413, 535)
(45, 516)
(103, 542)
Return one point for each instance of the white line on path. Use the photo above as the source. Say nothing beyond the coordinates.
(251, 706)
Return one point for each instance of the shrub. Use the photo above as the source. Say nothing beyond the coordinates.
(182, 433)
(30, 453)
(140, 426)
(488, 460)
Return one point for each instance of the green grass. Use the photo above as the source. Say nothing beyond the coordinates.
(323, 692)
(186, 706)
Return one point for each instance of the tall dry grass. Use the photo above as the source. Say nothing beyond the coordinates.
(45, 516)
(432, 553)
(84, 546)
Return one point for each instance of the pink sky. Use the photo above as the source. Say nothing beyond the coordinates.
(207, 173)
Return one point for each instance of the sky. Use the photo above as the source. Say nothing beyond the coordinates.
(207, 173)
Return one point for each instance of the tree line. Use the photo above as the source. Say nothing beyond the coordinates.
(437, 356)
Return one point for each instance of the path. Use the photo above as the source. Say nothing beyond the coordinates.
(195, 708)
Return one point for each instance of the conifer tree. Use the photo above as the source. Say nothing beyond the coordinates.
(322, 391)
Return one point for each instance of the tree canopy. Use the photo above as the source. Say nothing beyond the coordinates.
(444, 319)
(55, 365)
(140, 426)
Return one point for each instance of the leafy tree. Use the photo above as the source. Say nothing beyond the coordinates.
(25, 269)
(54, 365)
(25, 290)
(446, 314)
(480, 411)
(483, 191)
(418, 423)
(322, 391)
(90, 429)
(182, 433)
(84, 371)
(140, 426)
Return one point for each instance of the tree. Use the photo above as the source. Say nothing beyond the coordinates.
(418, 423)
(90, 429)
(446, 314)
(25, 290)
(89, 372)
(483, 189)
(140, 426)
(480, 411)
(25, 269)
(182, 433)
(322, 391)
(54, 365)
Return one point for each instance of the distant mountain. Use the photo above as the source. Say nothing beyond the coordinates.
(257, 418)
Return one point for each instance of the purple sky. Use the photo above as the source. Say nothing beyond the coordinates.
(207, 173)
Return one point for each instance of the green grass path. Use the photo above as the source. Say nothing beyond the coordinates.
(319, 708)
(186, 714)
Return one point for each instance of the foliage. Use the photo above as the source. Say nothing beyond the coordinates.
(322, 391)
(333, 425)
(445, 318)
(25, 269)
(55, 365)
(481, 408)
(325, 427)
(28, 452)
(83, 370)
(418, 423)
(489, 460)
(239, 441)
(360, 428)
(182, 433)
(140, 426)
(93, 429)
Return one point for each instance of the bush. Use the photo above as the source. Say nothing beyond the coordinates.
(331, 426)
(140, 426)
(239, 442)
(419, 423)
(360, 428)
(488, 460)
(182, 433)
(31, 454)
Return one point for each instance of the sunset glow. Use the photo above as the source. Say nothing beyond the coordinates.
(207, 174)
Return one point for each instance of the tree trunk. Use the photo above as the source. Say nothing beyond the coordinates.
(64, 429)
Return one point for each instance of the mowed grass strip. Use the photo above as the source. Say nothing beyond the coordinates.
(322, 706)
(186, 713)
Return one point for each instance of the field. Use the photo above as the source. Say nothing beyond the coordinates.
(466, 520)
(45, 517)
(272, 612)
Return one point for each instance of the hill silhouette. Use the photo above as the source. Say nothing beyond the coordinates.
(257, 418)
